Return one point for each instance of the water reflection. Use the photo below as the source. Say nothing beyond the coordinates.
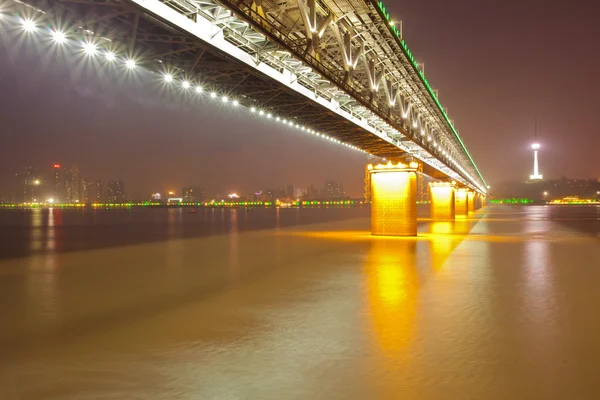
(392, 283)
(233, 250)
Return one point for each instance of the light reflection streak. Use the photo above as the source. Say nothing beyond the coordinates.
(233, 247)
(392, 291)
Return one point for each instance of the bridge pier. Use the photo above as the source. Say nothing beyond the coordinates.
(461, 203)
(442, 199)
(471, 201)
(393, 199)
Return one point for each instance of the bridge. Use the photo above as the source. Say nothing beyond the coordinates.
(336, 69)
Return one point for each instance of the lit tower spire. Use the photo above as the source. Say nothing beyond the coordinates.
(535, 146)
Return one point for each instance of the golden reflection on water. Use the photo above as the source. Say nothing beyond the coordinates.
(392, 291)
(393, 280)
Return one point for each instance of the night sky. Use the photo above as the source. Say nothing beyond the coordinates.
(497, 67)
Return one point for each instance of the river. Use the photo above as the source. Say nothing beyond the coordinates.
(296, 304)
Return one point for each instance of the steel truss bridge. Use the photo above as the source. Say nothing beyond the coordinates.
(336, 68)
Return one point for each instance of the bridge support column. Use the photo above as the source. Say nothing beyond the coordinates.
(394, 199)
(471, 201)
(461, 203)
(442, 199)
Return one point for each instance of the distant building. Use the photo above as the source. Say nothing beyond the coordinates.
(290, 191)
(75, 185)
(58, 185)
(116, 192)
(98, 192)
(155, 197)
(300, 193)
(88, 191)
(334, 190)
(312, 192)
(27, 186)
(193, 194)
(280, 193)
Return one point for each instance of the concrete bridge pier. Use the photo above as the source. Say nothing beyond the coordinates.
(471, 201)
(393, 199)
(461, 202)
(443, 200)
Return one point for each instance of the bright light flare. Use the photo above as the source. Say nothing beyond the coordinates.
(213, 95)
(225, 99)
(90, 48)
(198, 89)
(130, 64)
(58, 37)
(535, 146)
(28, 25)
(185, 84)
(110, 56)
(236, 103)
(168, 78)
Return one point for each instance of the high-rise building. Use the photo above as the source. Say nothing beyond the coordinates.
(334, 190)
(58, 186)
(193, 194)
(88, 191)
(68, 188)
(28, 186)
(300, 193)
(116, 192)
(98, 192)
(280, 193)
(75, 184)
(290, 191)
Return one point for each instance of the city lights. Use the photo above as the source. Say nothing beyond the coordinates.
(198, 89)
(535, 146)
(185, 84)
(168, 78)
(236, 103)
(213, 95)
(225, 99)
(110, 56)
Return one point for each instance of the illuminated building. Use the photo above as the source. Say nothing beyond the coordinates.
(334, 190)
(116, 191)
(155, 197)
(394, 199)
(193, 194)
(58, 192)
(88, 191)
(98, 191)
(75, 185)
(27, 185)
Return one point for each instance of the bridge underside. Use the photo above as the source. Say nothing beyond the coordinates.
(159, 46)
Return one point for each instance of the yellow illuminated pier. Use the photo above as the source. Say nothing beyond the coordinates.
(393, 199)
(442, 200)
(461, 203)
(471, 201)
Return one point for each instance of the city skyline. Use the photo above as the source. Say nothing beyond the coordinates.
(65, 184)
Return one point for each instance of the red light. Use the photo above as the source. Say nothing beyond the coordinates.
(56, 166)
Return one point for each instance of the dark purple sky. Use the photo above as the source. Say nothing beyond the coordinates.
(497, 67)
